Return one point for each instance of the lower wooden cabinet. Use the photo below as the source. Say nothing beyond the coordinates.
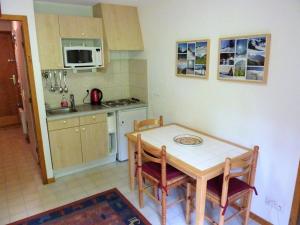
(94, 140)
(84, 142)
(65, 147)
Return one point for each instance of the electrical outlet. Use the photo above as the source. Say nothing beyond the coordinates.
(273, 204)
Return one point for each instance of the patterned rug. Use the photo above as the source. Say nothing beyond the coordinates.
(107, 208)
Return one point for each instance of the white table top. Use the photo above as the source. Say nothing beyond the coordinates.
(204, 156)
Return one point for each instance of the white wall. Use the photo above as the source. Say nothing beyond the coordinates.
(62, 9)
(249, 114)
(25, 7)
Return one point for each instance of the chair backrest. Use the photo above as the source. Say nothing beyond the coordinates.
(244, 168)
(149, 123)
(150, 153)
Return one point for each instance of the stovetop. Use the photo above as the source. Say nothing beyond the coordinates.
(121, 102)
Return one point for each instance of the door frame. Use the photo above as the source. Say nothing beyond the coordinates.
(30, 72)
(295, 209)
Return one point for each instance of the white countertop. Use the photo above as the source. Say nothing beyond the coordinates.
(88, 109)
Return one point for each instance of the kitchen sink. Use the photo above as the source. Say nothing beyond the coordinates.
(60, 111)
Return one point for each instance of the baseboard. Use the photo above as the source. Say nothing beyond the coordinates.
(254, 217)
(80, 168)
(50, 180)
(259, 219)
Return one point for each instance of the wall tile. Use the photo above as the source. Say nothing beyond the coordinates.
(122, 78)
(116, 66)
(138, 66)
(138, 79)
(124, 65)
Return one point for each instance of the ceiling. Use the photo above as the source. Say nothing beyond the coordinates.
(92, 2)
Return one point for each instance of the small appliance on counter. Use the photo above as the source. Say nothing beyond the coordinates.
(96, 96)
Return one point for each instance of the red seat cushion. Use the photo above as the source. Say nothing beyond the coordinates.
(154, 169)
(235, 185)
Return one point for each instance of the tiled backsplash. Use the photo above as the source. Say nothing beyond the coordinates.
(123, 78)
(138, 79)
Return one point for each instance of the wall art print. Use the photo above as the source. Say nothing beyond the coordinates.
(192, 58)
(244, 58)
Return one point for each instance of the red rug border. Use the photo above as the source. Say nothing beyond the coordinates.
(130, 205)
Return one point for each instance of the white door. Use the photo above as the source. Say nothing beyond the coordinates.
(125, 125)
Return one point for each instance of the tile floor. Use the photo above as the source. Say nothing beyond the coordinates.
(22, 193)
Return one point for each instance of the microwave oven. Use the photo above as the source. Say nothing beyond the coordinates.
(82, 57)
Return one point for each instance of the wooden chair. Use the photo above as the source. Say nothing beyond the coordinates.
(236, 183)
(149, 123)
(158, 173)
(143, 125)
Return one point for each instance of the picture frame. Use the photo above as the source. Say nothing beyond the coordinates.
(244, 58)
(192, 58)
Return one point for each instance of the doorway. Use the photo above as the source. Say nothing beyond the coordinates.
(15, 98)
(9, 91)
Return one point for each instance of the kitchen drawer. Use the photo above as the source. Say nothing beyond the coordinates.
(96, 118)
(62, 124)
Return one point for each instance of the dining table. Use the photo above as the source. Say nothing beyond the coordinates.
(202, 161)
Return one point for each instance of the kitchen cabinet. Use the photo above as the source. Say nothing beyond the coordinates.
(62, 124)
(80, 27)
(78, 140)
(89, 119)
(52, 28)
(49, 42)
(65, 147)
(121, 26)
(94, 141)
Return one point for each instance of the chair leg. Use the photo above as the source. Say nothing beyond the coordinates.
(155, 190)
(141, 193)
(247, 204)
(188, 204)
(164, 208)
(221, 218)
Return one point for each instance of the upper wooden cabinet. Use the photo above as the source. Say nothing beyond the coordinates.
(80, 27)
(121, 26)
(49, 43)
(51, 28)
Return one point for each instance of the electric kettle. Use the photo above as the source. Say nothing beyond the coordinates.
(96, 96)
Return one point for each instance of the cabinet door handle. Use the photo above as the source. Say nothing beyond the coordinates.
(65, 121)
(76, 130)
(83, 129)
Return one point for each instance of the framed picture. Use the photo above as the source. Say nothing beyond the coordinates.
(192, 58)
(244, 58)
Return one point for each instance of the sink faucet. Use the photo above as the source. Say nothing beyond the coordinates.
(72, 102)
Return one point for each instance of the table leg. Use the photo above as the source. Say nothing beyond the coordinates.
(131, 164)
(200, 199)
